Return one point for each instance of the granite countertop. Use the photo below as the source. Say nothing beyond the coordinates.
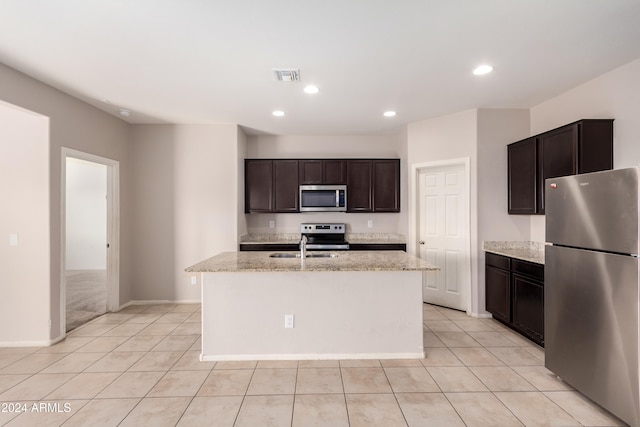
(524, 250)
(294, 238)
(345, 261)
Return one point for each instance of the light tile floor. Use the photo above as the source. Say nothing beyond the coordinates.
(141, 366)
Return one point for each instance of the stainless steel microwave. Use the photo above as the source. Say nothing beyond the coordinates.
(323, 198)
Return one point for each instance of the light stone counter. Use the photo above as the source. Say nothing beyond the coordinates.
(527, 251)
(344, 261)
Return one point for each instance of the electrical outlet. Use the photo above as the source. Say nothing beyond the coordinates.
(370, 223)
(194, 280)
(288, 321)
(272, 224)
(13, 239)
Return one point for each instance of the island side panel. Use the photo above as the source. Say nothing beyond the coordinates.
(337, 315)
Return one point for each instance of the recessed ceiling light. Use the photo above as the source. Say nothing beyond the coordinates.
(389, 113)
(311, 89)
(124, 113)
(482, 69)
(278, 113)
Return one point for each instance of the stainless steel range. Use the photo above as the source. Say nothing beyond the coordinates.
(325, 236)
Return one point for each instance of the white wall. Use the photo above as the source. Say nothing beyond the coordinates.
(73, 124)
(86, 212)
(616, 95)
(297, 146)
(24, 185)
(443, 138)
(185, 210)
(481, 136)
(496, 129)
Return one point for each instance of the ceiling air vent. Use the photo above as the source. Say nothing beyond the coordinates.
(287, 74)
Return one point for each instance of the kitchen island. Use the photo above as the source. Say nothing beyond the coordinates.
(342, 305)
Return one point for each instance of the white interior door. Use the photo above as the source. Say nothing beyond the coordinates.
(443, 234)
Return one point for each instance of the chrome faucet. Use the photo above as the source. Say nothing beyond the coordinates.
(303, 247)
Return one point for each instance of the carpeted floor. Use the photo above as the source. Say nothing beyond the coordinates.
(86, 296)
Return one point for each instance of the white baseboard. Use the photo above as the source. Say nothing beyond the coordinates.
(157, 301)
(481, 315)
(38, 343)
(320, 356)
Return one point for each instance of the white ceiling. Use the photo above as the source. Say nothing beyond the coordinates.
(208, 61)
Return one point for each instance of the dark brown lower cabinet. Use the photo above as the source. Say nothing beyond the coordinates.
(498, 293)
(515, 294)
(528, 306)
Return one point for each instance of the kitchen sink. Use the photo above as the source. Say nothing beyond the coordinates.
(297, 255)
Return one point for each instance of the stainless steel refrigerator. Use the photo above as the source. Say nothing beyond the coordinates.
(591, 287)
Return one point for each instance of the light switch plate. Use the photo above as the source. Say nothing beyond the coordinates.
(13, 239)
(272, 224)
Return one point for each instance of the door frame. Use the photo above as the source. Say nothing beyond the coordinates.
(113, 230)
(414, 207)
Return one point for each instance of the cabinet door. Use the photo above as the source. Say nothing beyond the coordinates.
(558, 151)
(359, 191)
(285, 185)
(498, 293)
(335, 171)
(311, 172)
(528, 306)
(595, 146)
(386, 185)
(522, 176)
(258, 190)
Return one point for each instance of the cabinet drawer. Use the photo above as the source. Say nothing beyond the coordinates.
(498, 261)
(526, 268)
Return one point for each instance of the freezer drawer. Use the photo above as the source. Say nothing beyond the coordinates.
(595, 211)
(591, 326)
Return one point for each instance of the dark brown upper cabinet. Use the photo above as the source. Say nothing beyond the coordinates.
(359, 186)
(285, 186)
(386, 185)
(522, 168)
(258, 180)
(580, 147)
(322, 171)
(335, 171)
(271, 185)
(373, 185)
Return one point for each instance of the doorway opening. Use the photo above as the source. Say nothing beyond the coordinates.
(89, 237)
(440, 230)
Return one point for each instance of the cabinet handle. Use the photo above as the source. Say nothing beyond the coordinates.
(421, 242)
